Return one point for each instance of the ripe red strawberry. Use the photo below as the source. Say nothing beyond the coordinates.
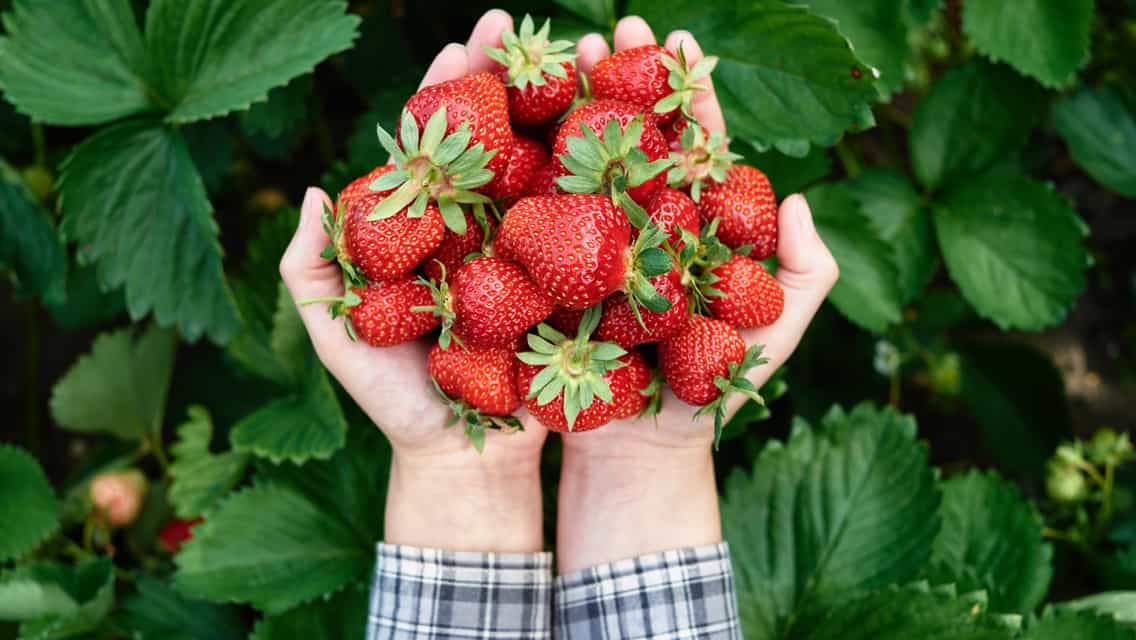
(587, 166)
(751, 296)
(565, 320)
(620, 325)
(177, 532)
(698, 156)
(543, 182)
(672, 210)
(359, 187)
(528, 156)
(745, 208)
(707, 350)
(539, 75)
(633, 401)
(651, 78)
(485, 379)
(384, 313)
(388, 248)
(454, 249)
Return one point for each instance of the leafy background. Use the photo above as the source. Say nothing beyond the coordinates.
(972, 165)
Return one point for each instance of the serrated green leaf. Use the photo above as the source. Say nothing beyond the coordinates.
(91, 585)
(600, 13)
(878, 33)
(120, 387)
(1100, 130)
(991, 541)
(155, 611)
(74, 62)
(1041, 38)
(1118, 605)
(343, 616)
(29, 244)
(200, 477)
(853, 493)
(308, 423)
(1057, 624)
(130, 196)
(29, 511)
(786, 173)
(975, 115)
(23, 598)
(1014, 247)
(868, 292)
(275, 127)
(293, 551)
(289, 340)
(771, 96)
(216, 56)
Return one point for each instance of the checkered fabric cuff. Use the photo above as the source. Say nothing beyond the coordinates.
(444, 595)
(682, 593)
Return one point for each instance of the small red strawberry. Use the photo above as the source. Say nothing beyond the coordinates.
(539, 76)
(177, 532)
(745, 208)
(383, 314)
(699, 157)
(455, 248)
(749, 295)
(387, 248)
(543, 182)
(635, 399)
(606, 146)
(707, 362)
(528, 157)
(619, 323)
(651, 78)
(485, 379)
(672, 210)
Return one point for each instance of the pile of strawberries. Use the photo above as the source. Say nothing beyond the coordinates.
(572, 253)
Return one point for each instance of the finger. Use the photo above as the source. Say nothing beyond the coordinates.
(589, 50)
(451, 63)
(632, 32)
(486, 33)
(704, 105)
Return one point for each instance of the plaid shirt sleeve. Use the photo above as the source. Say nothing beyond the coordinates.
(682, 593)
(446, 595)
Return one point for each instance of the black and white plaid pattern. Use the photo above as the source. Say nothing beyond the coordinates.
(683, 593)
(446, 595)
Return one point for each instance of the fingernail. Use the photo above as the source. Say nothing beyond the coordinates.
(310, 206)
(802, 213)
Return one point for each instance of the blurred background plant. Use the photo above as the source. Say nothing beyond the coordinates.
(972, 165)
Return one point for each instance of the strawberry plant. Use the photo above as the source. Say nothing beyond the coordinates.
(944, 456)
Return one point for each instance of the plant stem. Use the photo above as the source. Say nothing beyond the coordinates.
(848, 158)
(32, 342)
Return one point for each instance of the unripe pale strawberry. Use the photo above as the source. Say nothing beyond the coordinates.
(117, 497)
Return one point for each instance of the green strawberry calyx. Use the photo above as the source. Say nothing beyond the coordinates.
(685, 80)
(697, 260)
(647, 259)
(527, 55)
(432, 167)
(735, 382)
(700, 159)
(476, 422)
(575, 367)
(443, 307)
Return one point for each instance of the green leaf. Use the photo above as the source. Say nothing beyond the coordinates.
(343, 616)
(217, 56)
(896, 210)
(275, 128)
(853, 493)
(293, 550)
(85, 304)
(786, 173)
(991, 540)
(878, 34)
(74, 62)
(1100, 130)
(1041, 38)
(200, 477)
(1119, 605)
(29, 512)
(904, 613)
(1056, 624)
(974, 116)
(1014, 247)
(600, 13)
(132, 199)
(1018, 398)
(23, 598)
(868, 292)
(306, 424)
(29, 245)
(89, 585)
(157, 612)
(773, 96)
(120, 387)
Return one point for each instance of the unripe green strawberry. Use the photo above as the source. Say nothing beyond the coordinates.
(117, 497)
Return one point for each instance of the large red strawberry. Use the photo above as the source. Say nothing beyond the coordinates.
(706, 351)
(359, 187)
(745, 208)
(585, 143)
(577, 250)
(539, 76)
(383, 313)
(528, 157)
(543, 181)
(620, 325)
(485, 379)
(673, 210)
(455, 248)
(565, 320)
(387, 248)
(750, 296)
(651, 78)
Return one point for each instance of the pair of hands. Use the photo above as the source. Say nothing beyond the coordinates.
(622, 484)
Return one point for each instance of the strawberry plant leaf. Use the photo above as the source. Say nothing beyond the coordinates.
(293, 551)
(600, 13)
(29, 512)
(89, 585)
(1059, 624)
(1119, 605)
(1043, 39)
(85, 305)
(132, 198)
(276, 127)
(24, 598)
(200, 477)
(896, 210)
(1015, 248)
(991, 540)
(786, 173)
(76, 62)
(868, 292)
(120, 387)
(29, 245)
(217, 56)
(974, 116)
(342, 616)
(878, 34)
(771, 97)
(855, 491)
(155, 611)
(1100, 130)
